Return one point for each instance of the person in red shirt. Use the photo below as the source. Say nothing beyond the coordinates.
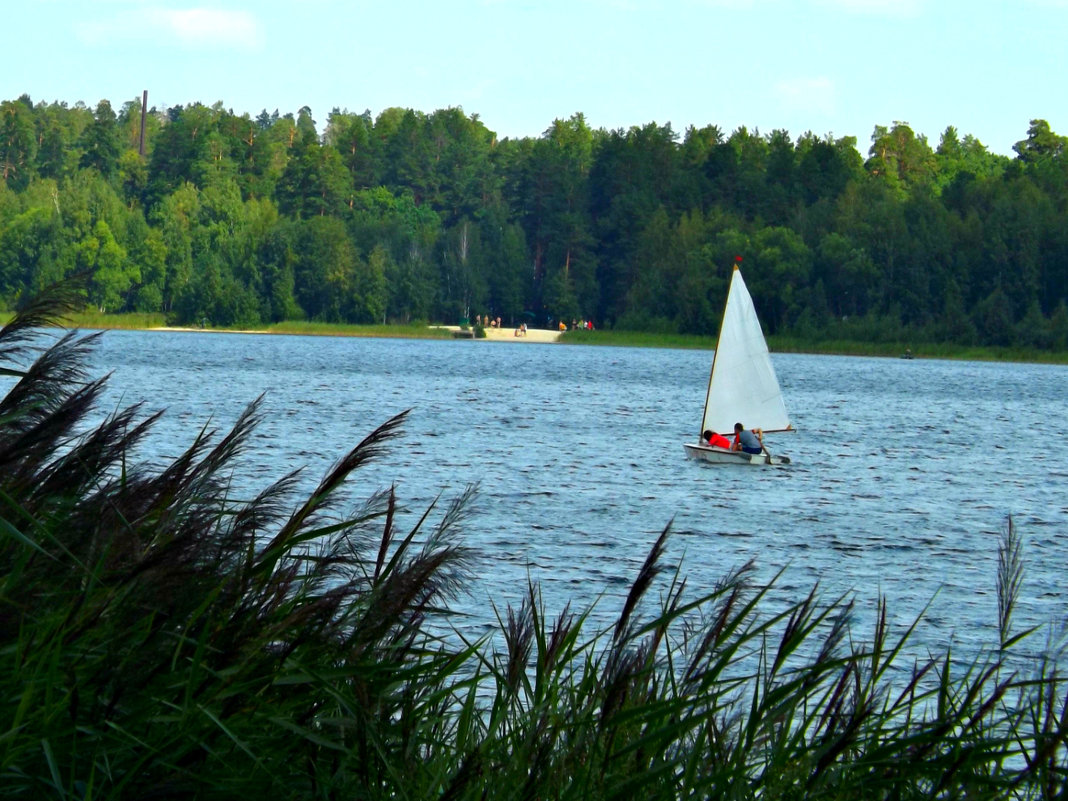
(716, 440)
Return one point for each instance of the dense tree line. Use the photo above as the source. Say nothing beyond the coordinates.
(411, 216)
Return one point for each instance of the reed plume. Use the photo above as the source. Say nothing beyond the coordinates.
(161, 638)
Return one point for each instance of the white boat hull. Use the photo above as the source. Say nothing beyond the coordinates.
(707, 453)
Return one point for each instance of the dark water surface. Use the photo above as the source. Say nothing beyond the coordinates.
(903, 475)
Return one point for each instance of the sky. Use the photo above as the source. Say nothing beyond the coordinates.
(829, 67)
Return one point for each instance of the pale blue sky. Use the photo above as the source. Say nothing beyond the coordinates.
(828, 66)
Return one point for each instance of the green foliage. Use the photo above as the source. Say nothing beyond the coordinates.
(100, 144)
(31, 250)
(630, 228)
(113, 273)
(370, 290)
(1041, 143)
(18, 145)
(163, 636)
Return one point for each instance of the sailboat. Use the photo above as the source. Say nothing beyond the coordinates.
(742, 387)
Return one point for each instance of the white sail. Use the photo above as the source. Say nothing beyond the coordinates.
(743, 387)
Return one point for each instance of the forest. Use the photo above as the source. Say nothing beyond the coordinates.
(215, 218)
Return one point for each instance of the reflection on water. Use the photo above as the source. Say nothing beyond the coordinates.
(903, 473)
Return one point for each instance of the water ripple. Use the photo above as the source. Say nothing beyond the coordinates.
(904, 471)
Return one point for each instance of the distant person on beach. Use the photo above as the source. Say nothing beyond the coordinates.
(710, 437)
(747, 441)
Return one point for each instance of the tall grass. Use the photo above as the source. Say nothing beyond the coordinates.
(844, 347)
(162, 638)
(925, 350)
(88, 318)
(413, 331)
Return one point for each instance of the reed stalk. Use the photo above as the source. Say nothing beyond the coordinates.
(161, 638)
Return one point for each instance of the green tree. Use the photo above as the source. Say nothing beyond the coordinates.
(508, 273)
(176, 217)
(1058, 326)
(370, 293)
(870, 213)
(87, 198)
(18, 144)
(781, 193)
(56, 154)
(1033, 329)
(148, 254)
(406, 150)
(351, 135)
(410, 233)
(556, 216)
(956, 158)
(314, 182)
(736, 173)
(324, 269)
(33, 253)
(462, 287)
(1015, 232)
(268, 142)
(133, 177)
(900, 158)
(641, 169)
(653, 296)
(848, 275)
(826, 166)
(778, 273)
(113, 274)
(101, 144)
(955, 325)
(993, 319)
(1041, 143)
(463, 178)
(694, 189)
(927, 259)
(214, 164)
(180, 145)
(277, 257)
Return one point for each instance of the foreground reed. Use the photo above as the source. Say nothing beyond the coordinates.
(161, 638)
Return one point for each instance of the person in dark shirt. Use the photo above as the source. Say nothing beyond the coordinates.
(747, 441)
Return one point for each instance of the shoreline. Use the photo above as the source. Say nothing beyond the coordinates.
(634, 339)
(535, 335)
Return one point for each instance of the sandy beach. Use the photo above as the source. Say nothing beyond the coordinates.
(506, 334)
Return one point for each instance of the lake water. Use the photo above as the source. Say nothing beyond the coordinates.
(903, 474)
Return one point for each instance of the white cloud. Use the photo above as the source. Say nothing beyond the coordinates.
(189, 27)
(812, 95)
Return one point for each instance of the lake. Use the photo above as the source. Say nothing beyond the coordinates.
(904, 472)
